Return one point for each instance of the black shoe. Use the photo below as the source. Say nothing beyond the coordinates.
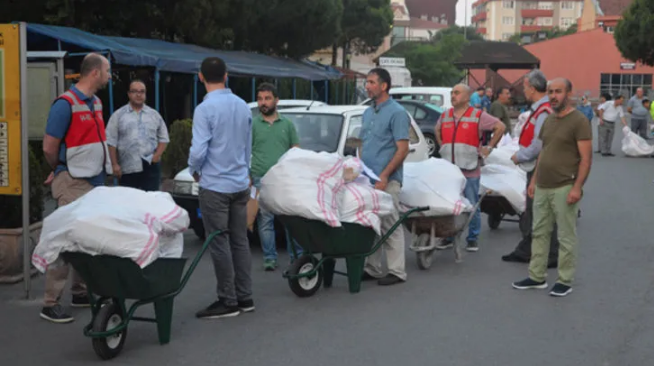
(472, 246)
(367, 277)
(389, 280)
(218, 310)
(512, 257)
(80, 301)
(246, 306)
(56, 314)
(610, 154)
(528, 284)
(560, 290)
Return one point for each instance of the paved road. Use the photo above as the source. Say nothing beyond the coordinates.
(454, 314)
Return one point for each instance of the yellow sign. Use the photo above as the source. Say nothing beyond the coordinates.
(10, 113)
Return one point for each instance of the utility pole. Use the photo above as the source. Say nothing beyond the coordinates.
(465, 19)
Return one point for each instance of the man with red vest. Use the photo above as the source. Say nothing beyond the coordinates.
(535, 89)
(458, 132)
(75, 147)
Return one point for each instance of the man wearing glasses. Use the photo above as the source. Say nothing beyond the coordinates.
(137, 137)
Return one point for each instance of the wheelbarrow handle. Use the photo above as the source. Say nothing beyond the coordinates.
(196, 260)
(397, 224)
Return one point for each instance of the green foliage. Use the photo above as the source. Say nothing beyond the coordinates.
(365, 24)
(549, 34)
(633, 34)
(175, 158)
(470, 33)
(11, 214)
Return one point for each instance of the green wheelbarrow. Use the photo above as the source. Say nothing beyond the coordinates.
(350, 241)
(114, 280)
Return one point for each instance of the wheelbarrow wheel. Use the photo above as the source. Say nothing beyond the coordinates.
(424, 258)
(494, 220)
(109, 317)
(304, 286)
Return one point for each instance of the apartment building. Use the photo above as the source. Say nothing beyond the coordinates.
(498, 20)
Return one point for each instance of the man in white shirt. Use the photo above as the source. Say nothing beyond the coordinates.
(609, 113)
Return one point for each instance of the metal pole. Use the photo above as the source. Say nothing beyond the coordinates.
(327, 91)
(254, 88)
(294, 89)
(195, 90)
(311, 81)
(111, 89)
(465, 19)
(25, 156)
(156, 89)
(59, 44)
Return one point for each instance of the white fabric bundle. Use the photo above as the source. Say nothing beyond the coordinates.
(362, 204)
(634, 145)
(508, 182)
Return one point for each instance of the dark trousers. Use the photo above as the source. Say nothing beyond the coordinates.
(639, 127)
(523, 250)
(147, 180)
(230, 253)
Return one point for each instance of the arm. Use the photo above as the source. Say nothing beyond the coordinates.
(490, 123)
(199, 142)
(532, 183)
(112, 143)
(248, 143)
(113, 154)
(437, 131)
(163, 138)
(295, 140)
(400, 124)
(531, 152)
(622, 117)
(55, 131)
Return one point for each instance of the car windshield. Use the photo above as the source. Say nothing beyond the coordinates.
(317, 132)
(434, 107)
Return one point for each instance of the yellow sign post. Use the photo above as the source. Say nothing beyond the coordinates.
(10, 110)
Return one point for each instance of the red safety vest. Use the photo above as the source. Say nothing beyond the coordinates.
(460, 141)
(86, 149)
(528, 130)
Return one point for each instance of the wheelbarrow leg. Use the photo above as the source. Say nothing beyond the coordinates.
(354, 273)
(163, 310)
(328, 267)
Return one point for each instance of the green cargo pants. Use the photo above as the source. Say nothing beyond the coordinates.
(550, 206)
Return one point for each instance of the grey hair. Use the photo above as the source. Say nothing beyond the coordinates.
(537, 80)
(466, 88)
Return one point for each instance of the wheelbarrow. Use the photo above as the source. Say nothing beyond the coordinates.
(115, 280)
(498, 208)
(353, 242)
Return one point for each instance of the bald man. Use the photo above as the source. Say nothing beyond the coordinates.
(638, 113)
(458, 132)
(75, 147)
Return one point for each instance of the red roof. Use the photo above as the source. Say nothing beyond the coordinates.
(426, 24)
(614, 7)
(433, 8)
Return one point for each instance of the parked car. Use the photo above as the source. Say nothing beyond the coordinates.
(440, 96)
(323, 128)
(426, 115)
(288, 103)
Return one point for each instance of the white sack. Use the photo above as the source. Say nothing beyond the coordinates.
(501, 156)
(507, 182)
(362, 204)
(304, 183)
(522, 119)
(118, 221)
(436, 183)
(634, 145)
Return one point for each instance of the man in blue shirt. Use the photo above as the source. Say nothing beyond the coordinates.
(385, 144)
(220, 161)
(95, 74)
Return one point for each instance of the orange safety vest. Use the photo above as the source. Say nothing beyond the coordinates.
(86, 149)
(528, 130)
(461, 140)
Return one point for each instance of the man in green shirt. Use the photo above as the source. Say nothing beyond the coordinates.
(272, 136)
(498, 108)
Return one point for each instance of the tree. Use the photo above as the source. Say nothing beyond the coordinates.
(549, 34)
(470, 33)
(633, 34)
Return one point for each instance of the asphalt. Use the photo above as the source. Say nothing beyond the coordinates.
(452, 314)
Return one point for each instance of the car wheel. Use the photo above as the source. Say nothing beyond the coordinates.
(432, 146)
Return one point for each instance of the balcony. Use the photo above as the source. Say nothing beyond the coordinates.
(534, 28)
(481, 30)
(479, 17)
(536, 13)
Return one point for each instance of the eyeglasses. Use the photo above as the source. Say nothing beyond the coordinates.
(137, 91)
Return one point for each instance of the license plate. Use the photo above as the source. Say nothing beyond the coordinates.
(199, 214)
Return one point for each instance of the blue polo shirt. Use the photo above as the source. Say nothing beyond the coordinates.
(58, 122)
(383, 125)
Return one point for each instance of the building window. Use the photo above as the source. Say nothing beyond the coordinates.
(530, 5)
(566, 22)
(506, 36)
(609, 30)
(506, 4)
(528, 21)
(544, 21)
(567, 5)
(508, 20)
(625, 84)
(545, 5)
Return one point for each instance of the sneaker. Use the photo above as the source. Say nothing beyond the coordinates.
(472, 246)
(560, 290)
(218, 310)
(528, 284)
(389, 280)
(269, 264)
(80, 301)
(246, 306)
(512, 257)
(56, 314)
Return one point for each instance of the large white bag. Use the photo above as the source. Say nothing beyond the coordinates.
(364, 205)
(502, 156)
(436, 183)
(508, 182)
(304, 183)
(118, 221)
(634, 145)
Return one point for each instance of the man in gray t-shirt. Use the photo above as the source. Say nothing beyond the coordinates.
(638, 114)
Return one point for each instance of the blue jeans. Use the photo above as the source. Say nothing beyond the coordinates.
(266, 226)
(471, 192)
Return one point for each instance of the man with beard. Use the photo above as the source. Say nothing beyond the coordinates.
(137, 138)
(556, 188)
(272, 136)
(75, 147)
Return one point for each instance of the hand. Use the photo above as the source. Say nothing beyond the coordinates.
(156, 159)
(196, 177)
(485, 151)
(381, 185)
(49, 180)
(117, 172)
(514, 159)
(574, 196)
(601, 122)
(531, 190)
(250, 186)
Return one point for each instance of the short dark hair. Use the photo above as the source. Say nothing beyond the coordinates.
(481, 88)
(500, 90)
(607, 96)
(214, 70)
(383, 76)
(129, 87)
(91, 62)
(568, 84)
(267, 87)
(645, 100)
(619, 96)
